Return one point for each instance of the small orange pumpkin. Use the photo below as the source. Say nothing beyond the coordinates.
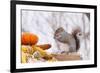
(29, 39)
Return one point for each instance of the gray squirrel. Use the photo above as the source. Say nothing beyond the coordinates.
(66, 38)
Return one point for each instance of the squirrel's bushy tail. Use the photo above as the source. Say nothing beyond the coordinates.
(74, 33)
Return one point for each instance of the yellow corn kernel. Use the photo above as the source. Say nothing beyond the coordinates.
(24, 49)
(27, 49)
(23, 58)
(42, 52)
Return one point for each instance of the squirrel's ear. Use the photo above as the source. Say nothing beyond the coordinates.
(61, 28)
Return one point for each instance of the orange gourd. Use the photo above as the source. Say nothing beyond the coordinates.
(29, 39)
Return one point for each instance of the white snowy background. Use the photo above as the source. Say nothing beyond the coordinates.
(44, 24)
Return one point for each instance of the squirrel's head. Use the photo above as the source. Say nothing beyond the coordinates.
(58, 32)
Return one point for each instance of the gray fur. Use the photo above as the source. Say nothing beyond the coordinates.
(62, 36)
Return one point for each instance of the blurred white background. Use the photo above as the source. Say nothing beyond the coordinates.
(5, 36)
